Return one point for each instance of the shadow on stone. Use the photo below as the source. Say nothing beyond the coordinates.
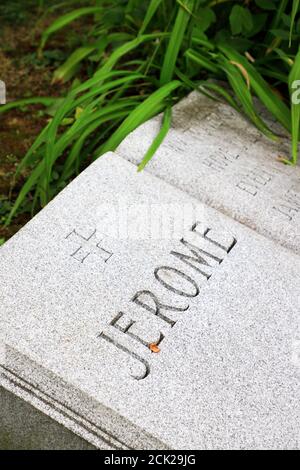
(22, 427)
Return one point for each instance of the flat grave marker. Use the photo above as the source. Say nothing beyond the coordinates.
(139, 318)
(215, 155)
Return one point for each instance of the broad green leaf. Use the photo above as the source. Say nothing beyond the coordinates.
(205, 18)
(240, 19)
(282, 34)
(266, 4)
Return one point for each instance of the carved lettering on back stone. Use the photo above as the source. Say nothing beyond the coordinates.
(289, 204)
(220, 161)
(253, 181)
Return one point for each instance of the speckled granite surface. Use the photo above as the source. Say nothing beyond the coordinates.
(92, 281)
(215, 155)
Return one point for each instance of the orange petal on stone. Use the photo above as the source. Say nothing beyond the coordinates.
(154, 348)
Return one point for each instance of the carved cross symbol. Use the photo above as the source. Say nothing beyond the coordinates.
(87, 246)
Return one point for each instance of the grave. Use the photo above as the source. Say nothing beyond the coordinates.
(215, 155)
(140, 318)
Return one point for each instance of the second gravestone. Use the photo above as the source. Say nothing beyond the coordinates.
(140, 318)
(212, 153)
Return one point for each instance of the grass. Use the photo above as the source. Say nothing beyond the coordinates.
(139, 58)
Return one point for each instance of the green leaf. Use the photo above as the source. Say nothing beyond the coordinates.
(295, 107)
(66, 70)
(46, 101)
(175, 42)
(295, 10)
(158, 139)
(30, 156)
(266, 4)
(205, 18)
(108, 114)
(149, 15)
(262, 89)
(149, 108)
(238, 84)
(202, 85)
(286, 20)
(240, 19)
(282, 34)
(259, 21)
(203, 61)
(125, 49)
(29, 184)
(64, 20)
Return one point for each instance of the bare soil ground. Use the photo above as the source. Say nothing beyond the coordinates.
(25, 75)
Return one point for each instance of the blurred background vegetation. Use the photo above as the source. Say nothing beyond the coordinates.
(81, 75)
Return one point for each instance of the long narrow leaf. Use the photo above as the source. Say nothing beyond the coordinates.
(295, 10)
(149, 15)
(46, 101)
(241, 90)
(202, 85)
(175, 42)
(272, 102)
(158, 139)
(201, 60)
(66, 70)
(64, 20)
(149, 108)
(295, 107)
(124, 49)
(76, 149)
(28, 186)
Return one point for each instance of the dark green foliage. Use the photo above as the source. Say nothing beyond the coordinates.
(142, 57)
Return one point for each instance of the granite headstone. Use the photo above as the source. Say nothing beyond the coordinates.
(217, 156)
(138, 317)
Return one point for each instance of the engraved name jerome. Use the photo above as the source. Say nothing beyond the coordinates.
(87, 246)
(195, 262)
